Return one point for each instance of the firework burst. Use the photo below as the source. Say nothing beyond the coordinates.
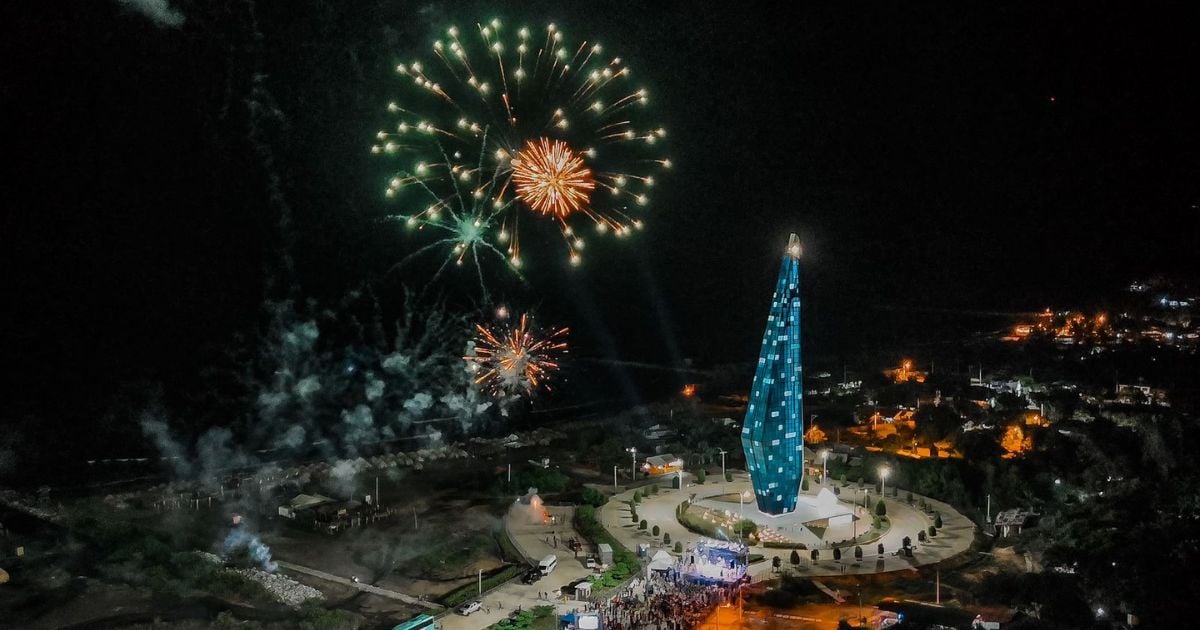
(511, 359)
(505, 123)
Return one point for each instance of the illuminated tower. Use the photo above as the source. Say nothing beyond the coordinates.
(773, 433)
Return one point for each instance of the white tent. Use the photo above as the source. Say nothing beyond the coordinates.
(662, 561)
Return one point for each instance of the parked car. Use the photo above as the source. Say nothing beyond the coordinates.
(469, 608)
(590, 562)
(532, 576)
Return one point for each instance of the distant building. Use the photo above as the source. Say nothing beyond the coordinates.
(662, 464)
(1011, 522)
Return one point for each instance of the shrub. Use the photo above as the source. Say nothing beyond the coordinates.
(880, 508)
(637, 497)
(932, 531)
(771, 544)
(594, 497)
(937, 520)
(728, 476)
(700, 476)
(908, 498)
(858, 553)
(667, 538)
(675, 483)
(656, 531)
(654, 489)
(776, 562)
(643, 524)
(815, 555)
(837, 490)
(754, 557)
(795, 557)
(745, 527)
(881, 549)
(837, 553)
(804, 484)
(633, 516)
(921, 536)
(678, 547)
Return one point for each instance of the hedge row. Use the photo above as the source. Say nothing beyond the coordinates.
(469, 591)
(770, 544)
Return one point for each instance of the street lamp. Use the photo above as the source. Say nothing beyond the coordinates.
(723, 451)
(824, 465)
(884, 471)
(632, 462)
(615, 476)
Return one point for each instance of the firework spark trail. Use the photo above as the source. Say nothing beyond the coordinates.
(507, 123)
(510, 360)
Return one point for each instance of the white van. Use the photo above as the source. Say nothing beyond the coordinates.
(547, 564)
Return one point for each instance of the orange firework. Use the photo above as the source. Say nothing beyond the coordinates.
(550, 178)
(509, 359)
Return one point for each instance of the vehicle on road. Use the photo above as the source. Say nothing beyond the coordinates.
(546, 566)
(420, 622)
(468, 608)
(532, 576)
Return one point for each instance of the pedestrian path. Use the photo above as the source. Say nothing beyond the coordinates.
(368, 588)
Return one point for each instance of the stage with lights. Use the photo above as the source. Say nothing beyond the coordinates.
(711, 561)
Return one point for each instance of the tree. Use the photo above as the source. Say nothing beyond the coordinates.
(858, 553)
(700, 476)
(594, 497)
(637, 497)
(795, 559)
(678, 547)
(804, 484)
(880, 509)
(656, 531)
(937, 520)
(667, 538)
(643, 524)
(837, 553)
(932, 531)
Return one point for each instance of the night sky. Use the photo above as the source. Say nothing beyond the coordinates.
(950, 157)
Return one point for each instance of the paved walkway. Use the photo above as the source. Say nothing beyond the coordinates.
(374, 590)
(954, 538)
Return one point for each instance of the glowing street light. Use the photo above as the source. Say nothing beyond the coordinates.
(884, 471)
(633, 462)
(824, 465)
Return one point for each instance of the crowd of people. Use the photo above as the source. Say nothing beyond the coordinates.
(663, 602)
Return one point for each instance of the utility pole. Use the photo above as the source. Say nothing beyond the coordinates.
(939, 587)
(723, 451)
(615, 476)
(481, 581)
(510, 472)
(377, 494)
(415, 525)
(989, 509)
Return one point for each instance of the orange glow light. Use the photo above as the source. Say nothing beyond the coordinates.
(689, 390)
(551, 178)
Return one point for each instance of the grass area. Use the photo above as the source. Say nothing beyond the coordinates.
(445, 556)
(698, 524)
(625, 563)
(496, 578)
(533, 619)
